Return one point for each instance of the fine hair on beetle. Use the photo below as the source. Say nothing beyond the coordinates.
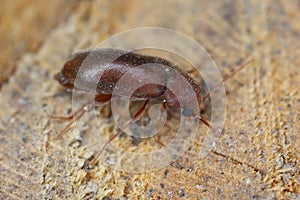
(108, 66)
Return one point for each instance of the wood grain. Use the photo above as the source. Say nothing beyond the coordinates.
(256, 157)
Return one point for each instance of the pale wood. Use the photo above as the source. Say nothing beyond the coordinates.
(257, 156)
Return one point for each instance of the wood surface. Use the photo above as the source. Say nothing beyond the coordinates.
(257, 155)
(23, 28)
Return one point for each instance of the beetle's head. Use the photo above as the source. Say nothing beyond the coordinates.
(60, 77)
(69, 72)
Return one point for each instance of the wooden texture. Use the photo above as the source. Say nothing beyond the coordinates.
(24, 26)
(256, 157)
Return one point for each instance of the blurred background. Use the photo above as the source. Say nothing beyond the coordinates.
(24, 26)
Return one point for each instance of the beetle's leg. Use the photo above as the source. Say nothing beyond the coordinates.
(163, 107)
(158, 141)
(134, 119)
(79, 114)
(100, 98)
(70, 117)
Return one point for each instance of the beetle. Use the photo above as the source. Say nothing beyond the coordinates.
(112, 64)
(108, 66)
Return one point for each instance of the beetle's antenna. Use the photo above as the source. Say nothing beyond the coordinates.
(226, 77)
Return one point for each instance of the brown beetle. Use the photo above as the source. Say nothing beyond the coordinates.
(107, 66)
